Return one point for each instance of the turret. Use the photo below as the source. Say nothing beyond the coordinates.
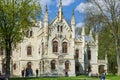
(39, 24)
(73, 23)
(46, 22)
(60, 13)
(46, 30)
(96, 39)
(83, 36)
(83, 31)
(106, 59)
(90, 33)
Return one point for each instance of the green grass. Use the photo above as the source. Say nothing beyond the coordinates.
(82, 77)
(111, 77)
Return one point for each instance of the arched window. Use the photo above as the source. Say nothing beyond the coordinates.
(29, 64)
(43, 65)
(42, 48)
(61, 28)
(53, 64)
(58, 28)
(77, 53)
(67, 63)
(29, 50)
(14, 66)
(64, 47)
(55, 46)
(31, 33)
(89, 54)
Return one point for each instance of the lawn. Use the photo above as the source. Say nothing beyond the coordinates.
(108, 77)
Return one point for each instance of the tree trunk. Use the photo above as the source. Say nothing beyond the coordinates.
(117, 56)
(8, 54)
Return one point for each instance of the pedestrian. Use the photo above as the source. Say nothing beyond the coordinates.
(26, 72)
(0, 73)
(36, 72)
(23, 72)
(102, 76)
(66, 72)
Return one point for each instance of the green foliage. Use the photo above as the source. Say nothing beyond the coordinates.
(105, 13)
(16, 16)
(107, 46)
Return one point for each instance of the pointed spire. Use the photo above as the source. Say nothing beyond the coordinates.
(90, 33)
(46, 14)
(60, 4)
(96, 38)
(60, 13)
(73, 12)
(73, 18)
(83, 31)
(46, 9)
(46, 22)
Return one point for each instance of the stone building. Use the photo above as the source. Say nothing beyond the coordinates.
(53, 49)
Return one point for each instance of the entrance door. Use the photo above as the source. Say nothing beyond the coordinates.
(101, 68)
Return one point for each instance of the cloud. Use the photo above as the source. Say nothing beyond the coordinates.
(46, 2)
(81, 24)
(91, 6)
(65, 2)
(82, 7)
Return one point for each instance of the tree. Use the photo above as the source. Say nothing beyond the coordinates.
(102, 13)
(106, 38)
(16, 17)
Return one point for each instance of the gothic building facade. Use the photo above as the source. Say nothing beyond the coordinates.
(53, 49)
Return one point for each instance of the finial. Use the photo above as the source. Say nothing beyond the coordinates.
(73, 18)
(73, 12)
(60, 3)
(46, 8)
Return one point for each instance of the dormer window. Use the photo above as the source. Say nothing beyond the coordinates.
(29, 33)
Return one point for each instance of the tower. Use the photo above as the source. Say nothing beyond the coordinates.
(46, 22)
(46, 30)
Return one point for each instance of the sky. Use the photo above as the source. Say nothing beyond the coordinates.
(68, 7)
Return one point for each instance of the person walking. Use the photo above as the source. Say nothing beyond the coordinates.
(102, 76)
(23, 73)
(36, 72)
